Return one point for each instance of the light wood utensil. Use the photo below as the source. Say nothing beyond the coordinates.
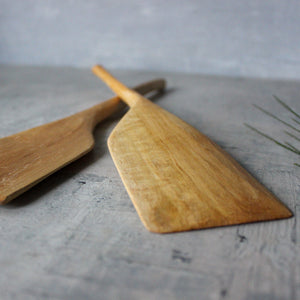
(177, 178)
(28, 157)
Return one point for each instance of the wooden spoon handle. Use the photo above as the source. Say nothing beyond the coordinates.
(129, 96)
(99, 112)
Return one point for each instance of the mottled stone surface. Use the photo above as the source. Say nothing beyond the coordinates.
(76, 235)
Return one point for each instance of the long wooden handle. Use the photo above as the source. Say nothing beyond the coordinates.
(99, 112)
(129, 96)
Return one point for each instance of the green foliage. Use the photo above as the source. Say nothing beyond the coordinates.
(295, 128)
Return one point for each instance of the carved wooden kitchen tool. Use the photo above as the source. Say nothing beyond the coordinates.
(28, 157)
(177, 178)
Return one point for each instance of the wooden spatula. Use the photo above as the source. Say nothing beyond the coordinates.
(177, 178)
(28, 157)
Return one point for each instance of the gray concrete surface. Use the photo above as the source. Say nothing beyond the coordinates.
(76, 235)
(247, 38)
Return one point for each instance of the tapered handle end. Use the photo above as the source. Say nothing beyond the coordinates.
(129, 96)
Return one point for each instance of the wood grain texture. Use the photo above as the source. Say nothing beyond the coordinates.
(28, 157)
(76, 235)
(177, 178)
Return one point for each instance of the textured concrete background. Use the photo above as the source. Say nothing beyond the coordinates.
(237, 38)
(77, 236)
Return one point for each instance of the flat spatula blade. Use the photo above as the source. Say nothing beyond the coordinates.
(178, 179)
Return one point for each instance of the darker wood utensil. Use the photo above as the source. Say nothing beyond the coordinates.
(28, 157)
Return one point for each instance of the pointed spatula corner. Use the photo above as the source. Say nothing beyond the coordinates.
(28, 157)
(177, 178)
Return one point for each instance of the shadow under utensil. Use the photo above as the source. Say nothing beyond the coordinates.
(51, 182)
(64, 174)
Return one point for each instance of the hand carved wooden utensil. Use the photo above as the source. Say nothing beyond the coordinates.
(177, 178)
(28, 157)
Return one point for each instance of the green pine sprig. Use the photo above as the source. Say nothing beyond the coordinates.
(295, 135)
